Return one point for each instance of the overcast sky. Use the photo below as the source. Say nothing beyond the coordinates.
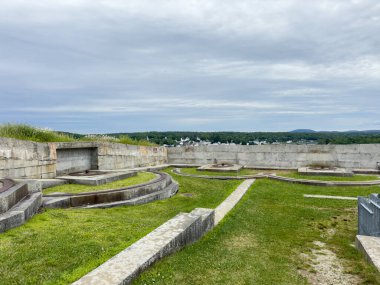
(94, 66)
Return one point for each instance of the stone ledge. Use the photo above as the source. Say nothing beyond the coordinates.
(227, 205)
(166, 239)
(12, 196)
(22, 212)
(370, 247)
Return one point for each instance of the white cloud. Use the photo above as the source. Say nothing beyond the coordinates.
(209, 62)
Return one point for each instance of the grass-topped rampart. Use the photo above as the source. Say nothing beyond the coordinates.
(31, 133)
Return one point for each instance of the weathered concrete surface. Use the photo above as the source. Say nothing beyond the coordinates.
(71, 160)
(330, 197)
(220, 167)
(370, 247)
(280, 156)
(62, 200)
(227, 205)
(324, 183)
(169, 237)
(25, 159)
(119, 156)
(12, 196)
(22, 212)
(47, 183)
(367, 171)
(167, 192)
(369, 215)
(325, 172)
(98, 179)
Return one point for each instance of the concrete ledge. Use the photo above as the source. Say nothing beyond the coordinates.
(370, 247)
(324, 183)
(11, 219)
(218, 177)
(168, 238)
(22, 212)
(330, 197)
(143, 168)
(227, 205)
(328, 172)
(168, 192)
(47, 183)
(12, 196)
(97, 179)
(367, 171)
(108, 198)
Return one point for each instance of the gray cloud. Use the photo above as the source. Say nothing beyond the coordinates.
(104, 66)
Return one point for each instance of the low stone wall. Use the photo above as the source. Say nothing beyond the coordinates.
(280, 156)
(26, 159)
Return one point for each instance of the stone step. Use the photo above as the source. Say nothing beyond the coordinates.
(62, 200)
(12, 196)
(21, 212)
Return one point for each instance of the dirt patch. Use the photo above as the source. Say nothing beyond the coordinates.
(326, 268)
(243, 241)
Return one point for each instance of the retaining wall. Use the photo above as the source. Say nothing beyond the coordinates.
(26, 159)
(279, 156)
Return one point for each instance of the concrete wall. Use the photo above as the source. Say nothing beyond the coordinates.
(25, 159)
(118, 156)
(282, 156)
(76, 159)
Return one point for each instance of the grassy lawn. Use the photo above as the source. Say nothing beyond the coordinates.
(59, 246)
(141, 177)
(194, 171)
(332, 178)
(261, 241)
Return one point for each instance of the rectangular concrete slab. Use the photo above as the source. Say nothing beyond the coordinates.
(370, 247)
(330, 197)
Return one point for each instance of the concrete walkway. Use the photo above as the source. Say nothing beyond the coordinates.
(330, 197)
(228, 204)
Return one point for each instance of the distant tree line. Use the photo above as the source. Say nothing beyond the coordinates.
(171, 138)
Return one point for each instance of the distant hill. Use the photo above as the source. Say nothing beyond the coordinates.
(302, 131)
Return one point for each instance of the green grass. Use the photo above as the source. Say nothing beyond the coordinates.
(332, 178)
(26, 132)
(261, 240)
(141, 177)
(30, 133)
(59, 246)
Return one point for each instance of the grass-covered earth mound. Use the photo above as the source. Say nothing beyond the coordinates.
(141, 177)
(30, 133)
